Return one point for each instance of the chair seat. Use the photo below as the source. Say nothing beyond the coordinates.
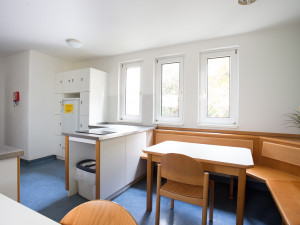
(183, 189)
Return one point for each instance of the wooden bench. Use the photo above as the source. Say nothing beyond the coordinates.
(277, 163)
(278, 167)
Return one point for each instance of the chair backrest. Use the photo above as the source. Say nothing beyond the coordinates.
(98, 212)
(182, 168)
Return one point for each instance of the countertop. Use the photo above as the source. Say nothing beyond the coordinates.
(118, 130)
(13, 212)
(7, 152)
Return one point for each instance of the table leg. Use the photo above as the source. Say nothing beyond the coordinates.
(149, 182)
(67, 162)
(241, 197)
(97, 169)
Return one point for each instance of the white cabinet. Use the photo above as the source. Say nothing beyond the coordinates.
(9, 178)
(71, 82)
(59, 145)
(88, 84)
(58, 103)
(57, 125)
(112, 166)
(84, 122)
(135, 167)
(84, 103)
(84, 80)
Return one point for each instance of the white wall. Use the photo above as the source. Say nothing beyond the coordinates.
(42, 69)
(28, 125)
(2, 99)
(16, 117)
(269, 77)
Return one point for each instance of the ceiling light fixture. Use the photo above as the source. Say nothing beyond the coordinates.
(246, 2)
(73, 43)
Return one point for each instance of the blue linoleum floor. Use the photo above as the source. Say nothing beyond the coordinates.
(43, 190)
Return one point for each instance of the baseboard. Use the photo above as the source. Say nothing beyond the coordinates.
(39, 160)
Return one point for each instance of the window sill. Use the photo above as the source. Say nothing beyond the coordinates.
(217, 126)
(171, 123)
(130, 121)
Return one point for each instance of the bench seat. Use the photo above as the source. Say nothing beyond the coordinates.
(286, 194)
(264, 173)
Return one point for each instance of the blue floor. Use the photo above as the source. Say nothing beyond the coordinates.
(43, 190)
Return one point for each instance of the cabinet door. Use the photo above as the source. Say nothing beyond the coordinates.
(84, 103)
(84, 123)
(59, 83)
(58, 104)
(112, 166)
(135, 167)
(59, 145)
(71, 82)
(57, 124)
(84, 82)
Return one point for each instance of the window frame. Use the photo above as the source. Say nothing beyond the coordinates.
(122, 117)
(157, 117)
(203, 119)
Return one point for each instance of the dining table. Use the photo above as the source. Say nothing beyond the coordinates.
(214, 158)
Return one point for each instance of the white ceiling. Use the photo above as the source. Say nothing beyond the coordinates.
(110, 27)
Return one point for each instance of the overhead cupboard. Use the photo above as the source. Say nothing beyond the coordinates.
(90, 86)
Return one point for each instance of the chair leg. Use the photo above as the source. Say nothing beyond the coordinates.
(211, 199)
(231, 187)
(172, 203)
(157, 215)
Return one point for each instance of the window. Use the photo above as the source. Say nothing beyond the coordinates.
(168, 98)
(130, 100)
(218, 87)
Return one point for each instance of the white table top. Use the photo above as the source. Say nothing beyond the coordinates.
(14, 213)
(215, 154)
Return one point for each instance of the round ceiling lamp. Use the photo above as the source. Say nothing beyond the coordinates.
(73, 43)
(246, 2)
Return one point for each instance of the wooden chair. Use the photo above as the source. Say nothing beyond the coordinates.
(98, 212)
(186, 181)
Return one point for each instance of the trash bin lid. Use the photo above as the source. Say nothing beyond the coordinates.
(88, 165)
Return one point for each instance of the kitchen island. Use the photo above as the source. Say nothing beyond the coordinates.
(116, 149)
(10, 171)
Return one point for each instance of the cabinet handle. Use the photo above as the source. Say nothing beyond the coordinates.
(59, 124)
(69, 81)
(60, 81)
(81, 102)
(81, 79)
(72, 80)
(80, 125)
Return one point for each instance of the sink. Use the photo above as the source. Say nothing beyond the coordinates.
(95, 131)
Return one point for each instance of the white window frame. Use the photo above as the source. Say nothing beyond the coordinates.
(122, 117)
(203, 119)
(157, 117)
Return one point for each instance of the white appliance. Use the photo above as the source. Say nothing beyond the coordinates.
(70, 114)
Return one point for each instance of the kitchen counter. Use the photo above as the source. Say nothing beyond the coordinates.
(116, 149)
(110, 131)
(10, 171)
(7, 152)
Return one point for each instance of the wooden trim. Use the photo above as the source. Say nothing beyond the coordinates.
(67, 162)
(18, 168)
(97, 169)
(251, 133)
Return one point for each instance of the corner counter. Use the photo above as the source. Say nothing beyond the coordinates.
(116, 151)
(10, 171)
